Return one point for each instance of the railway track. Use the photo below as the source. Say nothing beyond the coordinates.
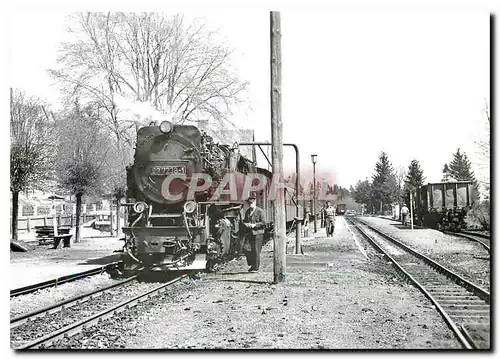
(480, 235)
(61, 280)
(463, 305)
(42, 335)
(483, 240)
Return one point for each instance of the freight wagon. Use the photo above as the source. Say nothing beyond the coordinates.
(443, 205)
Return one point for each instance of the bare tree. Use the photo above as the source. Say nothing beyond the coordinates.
(481, 209)
(484, 151)
(82, 156)
(181, 70)
(30, 147)
(115, 177)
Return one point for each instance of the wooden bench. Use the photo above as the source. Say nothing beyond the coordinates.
(45, 235)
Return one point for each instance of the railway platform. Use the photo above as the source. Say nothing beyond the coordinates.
(43, 263)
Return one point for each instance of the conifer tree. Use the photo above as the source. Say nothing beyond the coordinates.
(384, 181)
(362, 193)
(459, 169)
(446, 173)
(414, 179)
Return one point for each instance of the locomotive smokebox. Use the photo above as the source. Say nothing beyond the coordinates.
(162, 151)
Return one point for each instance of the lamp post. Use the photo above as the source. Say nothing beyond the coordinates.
(313, 159)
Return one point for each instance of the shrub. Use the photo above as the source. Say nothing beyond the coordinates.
(479, 216)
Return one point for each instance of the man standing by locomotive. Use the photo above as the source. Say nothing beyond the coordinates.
(255, 223)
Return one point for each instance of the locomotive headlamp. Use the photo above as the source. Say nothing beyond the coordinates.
(189, 207)
(140, 207)
(166, 127)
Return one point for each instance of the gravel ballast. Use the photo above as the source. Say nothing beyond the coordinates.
(461, 255)
(48, 296)
(48, 323)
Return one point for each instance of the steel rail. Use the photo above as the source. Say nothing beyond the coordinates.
(74, 328)
(64, 279)
(21, 319)
(453, 326)
(481, 235)
(470, 237)
(467, 336)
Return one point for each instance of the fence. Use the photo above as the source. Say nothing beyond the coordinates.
(29, 223)
(63, 209)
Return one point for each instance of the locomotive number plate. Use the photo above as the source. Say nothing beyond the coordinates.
(166, 170)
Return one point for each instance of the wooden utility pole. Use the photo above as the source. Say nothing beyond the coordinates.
(277, 149)
(411, 209)
(111, 216)
(118, 221)
(54, 220)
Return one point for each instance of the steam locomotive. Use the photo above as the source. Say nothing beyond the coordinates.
(186, 196)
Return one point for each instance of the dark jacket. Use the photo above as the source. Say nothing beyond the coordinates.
(258, 217)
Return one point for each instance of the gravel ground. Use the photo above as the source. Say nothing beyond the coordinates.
(463, 256)
(43, 263)
(333, 298)
(92, 240)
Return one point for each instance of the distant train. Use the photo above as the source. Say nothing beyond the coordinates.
(443, 205)
(183, 224)
(341, 208)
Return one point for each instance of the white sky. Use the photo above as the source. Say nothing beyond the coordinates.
(355, 82)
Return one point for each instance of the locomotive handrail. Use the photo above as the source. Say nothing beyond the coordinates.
(187, 225)
(220, 203)
(165, 215)
(160, 227)
(231, 208)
